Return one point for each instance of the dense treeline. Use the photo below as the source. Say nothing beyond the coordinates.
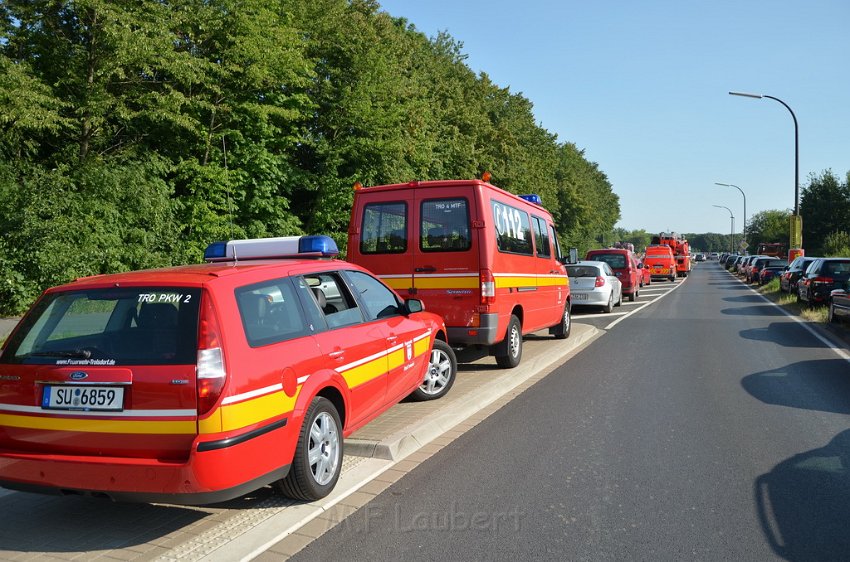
(134, 133)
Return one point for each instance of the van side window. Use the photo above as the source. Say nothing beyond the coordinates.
(554, 235)
(270, 312)
(444, 226)
(541, 238)
(332, 297)
(384, 228)
(513, 229)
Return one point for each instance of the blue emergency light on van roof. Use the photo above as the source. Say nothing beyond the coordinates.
(270, 248)
(532, 198)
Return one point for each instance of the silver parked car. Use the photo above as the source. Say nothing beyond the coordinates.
(593, 283)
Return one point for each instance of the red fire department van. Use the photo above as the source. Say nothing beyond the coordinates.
(200, 383)
(487, 261)
(660, 261)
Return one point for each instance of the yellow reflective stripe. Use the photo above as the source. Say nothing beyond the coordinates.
(396, 359)
(397, 282)
(446, 282)
(552, 281)
(356, 376)
(100, 425)
(515, 281)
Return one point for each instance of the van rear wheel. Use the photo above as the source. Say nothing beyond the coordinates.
(562, 331)
(509, 351)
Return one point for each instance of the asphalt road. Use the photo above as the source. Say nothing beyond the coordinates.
(709, 425)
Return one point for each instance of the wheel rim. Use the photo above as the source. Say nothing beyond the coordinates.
(515, 339)
(323, 450)
(438, 374)
(566, 319)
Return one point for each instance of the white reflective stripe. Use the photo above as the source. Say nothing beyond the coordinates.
(124, 414)
(303, 379)
(252, 394)
(423, 335)
(398, 276)
(362, 361)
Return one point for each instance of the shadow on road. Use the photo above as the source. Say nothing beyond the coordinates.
(803, 504)
(786, 334)
(822, 385)
(755, 310)
(745, 298)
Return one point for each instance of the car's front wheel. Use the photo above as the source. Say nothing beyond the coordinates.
(509, 352)
(440, 374)
(317, 463)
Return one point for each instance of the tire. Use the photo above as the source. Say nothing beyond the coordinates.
(440, 375)
(509, 351)
(633, 296)
(562, 330)
(830, 315)
(610, 306)
(671, 279)
(321, 432)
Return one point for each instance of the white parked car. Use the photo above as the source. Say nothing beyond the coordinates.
(593, 283)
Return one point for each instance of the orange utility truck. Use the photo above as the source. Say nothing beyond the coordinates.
(681, 250)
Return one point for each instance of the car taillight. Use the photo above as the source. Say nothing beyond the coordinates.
(488, 287)
(211, 369)
(600, 281)
(823, 281)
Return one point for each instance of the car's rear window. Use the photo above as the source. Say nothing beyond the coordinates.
(616, 261)
(115, 326)
(582, 271)
(444, 226)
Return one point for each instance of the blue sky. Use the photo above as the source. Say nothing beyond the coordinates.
(642, 87)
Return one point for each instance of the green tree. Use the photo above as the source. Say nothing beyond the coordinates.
(768, 226)
(825, 208)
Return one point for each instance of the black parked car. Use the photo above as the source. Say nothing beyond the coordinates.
(756, 266)
(839, 303)
(771, 269)
(822, 276)
(788, 280)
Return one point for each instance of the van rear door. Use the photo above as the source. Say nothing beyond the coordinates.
(381, 235)
(446, 255)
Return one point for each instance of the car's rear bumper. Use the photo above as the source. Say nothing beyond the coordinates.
(222, 470)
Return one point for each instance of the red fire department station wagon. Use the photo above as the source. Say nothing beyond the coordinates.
(487, 261)
(198, 384)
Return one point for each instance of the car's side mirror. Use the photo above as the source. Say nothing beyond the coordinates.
(413, 305)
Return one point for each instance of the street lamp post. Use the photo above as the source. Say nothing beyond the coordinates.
(796, 234)
(732, 217)
(744, 228)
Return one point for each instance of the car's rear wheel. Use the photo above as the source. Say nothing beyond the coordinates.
(440, 375)
(830, 315)
(318, 455)
(509, 351)
(610, 306)
(633, 295)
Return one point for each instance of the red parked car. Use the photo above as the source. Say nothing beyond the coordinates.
(198, 384)
(625, 266)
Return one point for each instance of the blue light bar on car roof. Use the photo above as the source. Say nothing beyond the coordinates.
(533, 198)
(270, 248)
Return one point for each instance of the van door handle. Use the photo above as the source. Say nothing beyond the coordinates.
(426, 269)
(336, 354)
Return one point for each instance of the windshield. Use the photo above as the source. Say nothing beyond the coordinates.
(127, 326)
